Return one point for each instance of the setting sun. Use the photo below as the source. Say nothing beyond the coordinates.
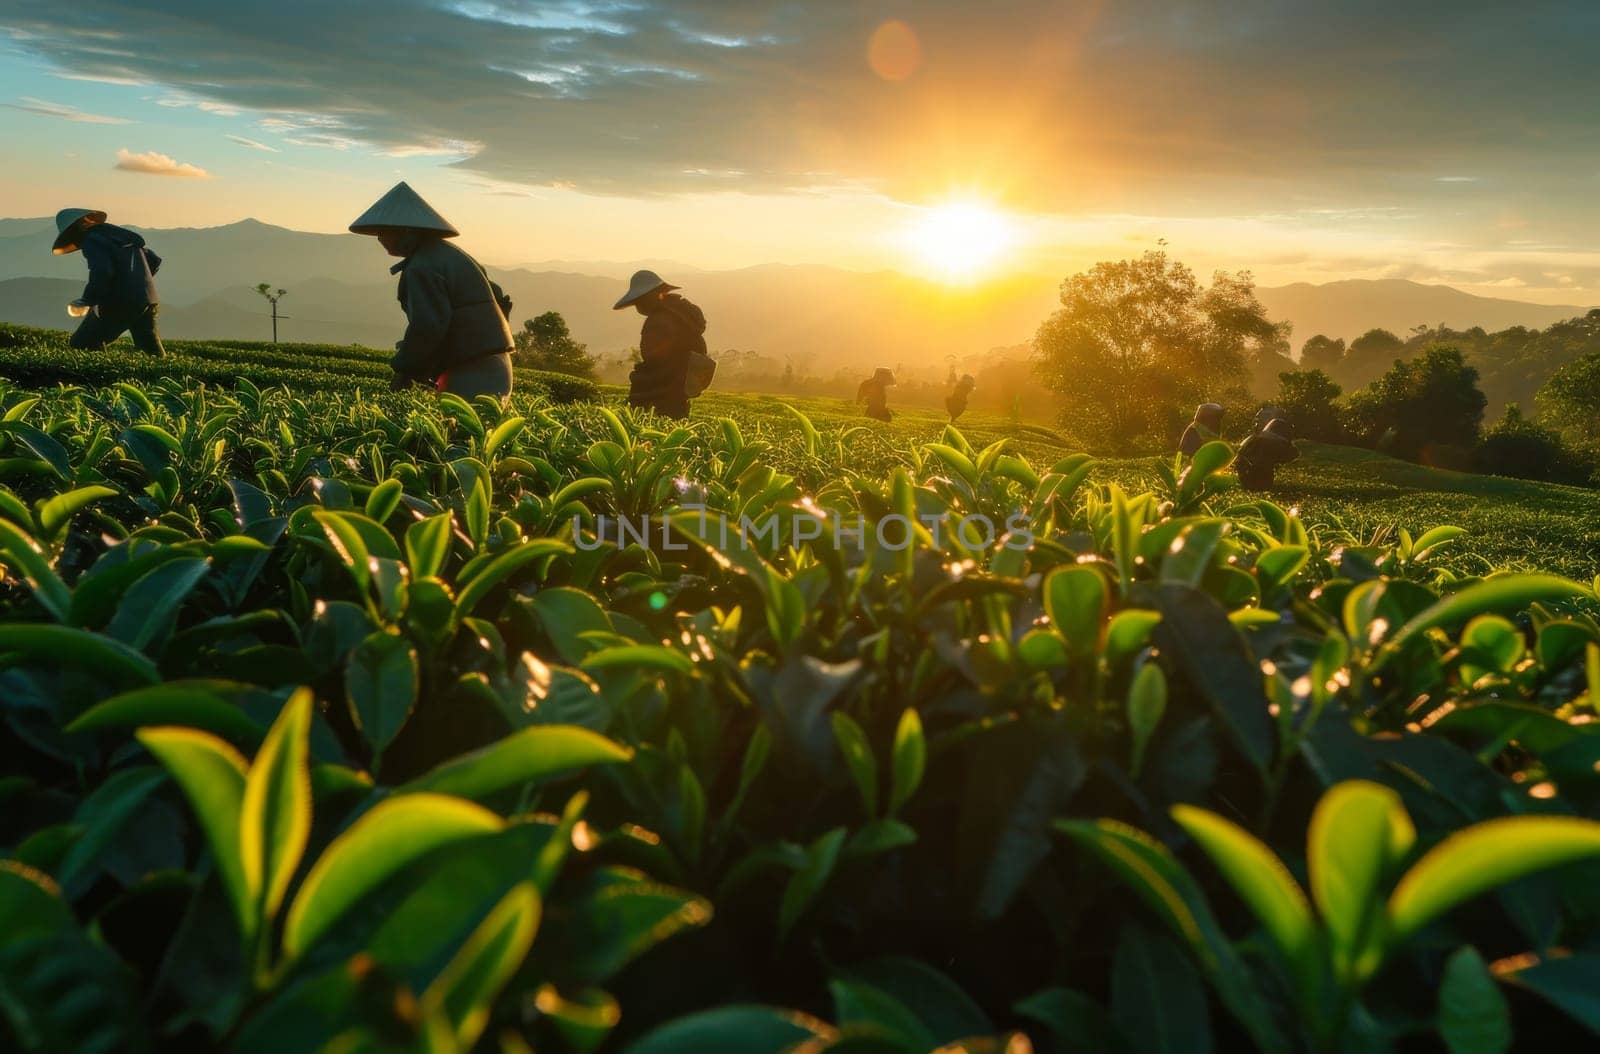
(961, 241)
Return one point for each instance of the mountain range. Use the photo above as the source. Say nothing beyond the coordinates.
(821, 318)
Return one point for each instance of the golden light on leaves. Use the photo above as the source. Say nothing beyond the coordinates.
(962, 241)
(894, 53)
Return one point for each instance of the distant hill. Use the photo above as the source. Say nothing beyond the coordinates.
(822, 318)
(1349, 308)
(39, 301)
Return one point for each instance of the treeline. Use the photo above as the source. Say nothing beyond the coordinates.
(1137, 344)
(1430, 409)
(1513, 364)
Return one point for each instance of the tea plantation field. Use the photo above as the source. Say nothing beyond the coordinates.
(333, 718)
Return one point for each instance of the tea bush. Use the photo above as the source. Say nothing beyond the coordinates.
(347, 720)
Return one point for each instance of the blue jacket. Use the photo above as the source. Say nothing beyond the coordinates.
(122, 272)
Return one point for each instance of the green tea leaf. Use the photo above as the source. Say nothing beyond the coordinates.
(149, 608)
(1481, 857)
(858, 756)
(1263, 883)
(909, 761)
(1359, 833)
(428, 545)
(383, 500)
(385, 839)
(738, 1029)
(1473, 1015)
(54, 514)
(538, 753)
(466, 988)
(1501, 593)
(655, 658)
(1076, 598)
(805, 885)
(212, 775)
(170, 704)
(501, 568)
(1157, 1000)
(380, 684)
(1147, 701)
(76, 649)
(21, 552)
(275, 821)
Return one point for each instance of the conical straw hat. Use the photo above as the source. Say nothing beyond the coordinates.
(642, 282)
(402, 207)
(69, 228)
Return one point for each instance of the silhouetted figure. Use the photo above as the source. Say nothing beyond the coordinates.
(121, 294)
(1262, 453)
(672, 347)
(1265, 416)
(1206, 426)
(874, 391)
(457, 336)
(956, 402)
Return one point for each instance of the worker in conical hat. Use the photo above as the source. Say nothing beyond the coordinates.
(458, 330)
(121, 294)
(671, 341)
(874, 391)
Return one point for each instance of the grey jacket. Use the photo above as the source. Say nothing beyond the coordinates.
(454, 313)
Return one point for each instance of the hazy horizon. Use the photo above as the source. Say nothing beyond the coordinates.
(944, 141)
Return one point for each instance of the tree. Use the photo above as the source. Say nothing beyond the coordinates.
(1310, 400)
(545, 344)
(265, 289)
(1137, 343)
(1422, 405)
(1322, 353)
(1369, 356)
(1515, 446)
(1570, 400)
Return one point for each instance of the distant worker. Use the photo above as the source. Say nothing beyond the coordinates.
(121, 294)
(1262, 453)
(1206, 426)
(458, 337)
(956, 402)
(1265, 416)
(673, 366)
(874, 391)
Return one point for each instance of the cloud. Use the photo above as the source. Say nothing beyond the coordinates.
(154, 164)
(1137, 106)
(63, 112)
(448, 148)
(252, 144)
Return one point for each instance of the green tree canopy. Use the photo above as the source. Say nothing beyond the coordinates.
(1425, 402)
(1310, 400)
(1322, 353)
(545, 343)
(1570, 401)
(1369, 356)
(1137, 343)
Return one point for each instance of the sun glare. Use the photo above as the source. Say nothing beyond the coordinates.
(962, 241)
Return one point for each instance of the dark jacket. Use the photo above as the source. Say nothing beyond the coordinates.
(122, 272)
(670, 334)
(875, 394)
(1261, 454)
(454, 313)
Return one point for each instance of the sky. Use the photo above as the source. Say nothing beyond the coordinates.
(1300, 139)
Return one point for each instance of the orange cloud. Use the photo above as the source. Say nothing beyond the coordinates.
(154, 164)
